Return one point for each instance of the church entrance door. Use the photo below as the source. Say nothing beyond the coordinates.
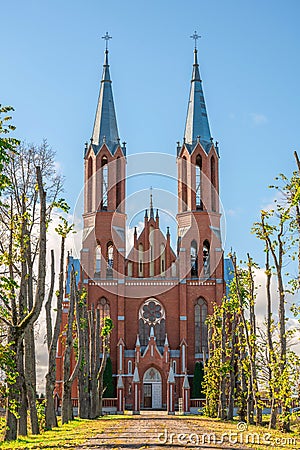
(152, 389)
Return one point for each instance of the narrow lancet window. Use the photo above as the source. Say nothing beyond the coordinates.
(98, 262)
(110, 260)
(201, 334)
(90, 185)
(184, 183)
(199, 204)
(194, 259)
(213, 183)
(151, 239)
(141, 260)
(162, 260)
(104, 200)
(206, 262)
(118, 183)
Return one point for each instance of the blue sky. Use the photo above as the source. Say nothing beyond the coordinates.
(51, 64)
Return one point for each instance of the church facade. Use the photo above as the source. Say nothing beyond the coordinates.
(158, 297)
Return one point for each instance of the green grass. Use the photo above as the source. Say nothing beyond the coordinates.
(80, 430)
(65, 436)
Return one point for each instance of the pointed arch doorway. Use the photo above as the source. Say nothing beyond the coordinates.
(152, 389)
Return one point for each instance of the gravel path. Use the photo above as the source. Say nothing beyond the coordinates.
(155, 431)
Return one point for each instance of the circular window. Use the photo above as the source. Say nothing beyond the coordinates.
(152, 312)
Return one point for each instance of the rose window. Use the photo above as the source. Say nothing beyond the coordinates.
(152, 312)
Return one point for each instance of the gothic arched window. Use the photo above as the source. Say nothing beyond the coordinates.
(162, 260)
(199, 204)
(98, 261)
(141, 260)
(129, 369)
(213, 183)
(104, 168)
(184, 183)
(90, 185)
(129, 269)
(151, 241)
(104, 309)
(110, 260)
(194, 259)
(152, 315)
(206, 262)
(201, 333)
(118, 182)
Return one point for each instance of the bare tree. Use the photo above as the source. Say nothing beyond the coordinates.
(69, 376)
(63, 230)
(18, 324)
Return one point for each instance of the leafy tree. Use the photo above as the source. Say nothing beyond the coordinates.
(24, 217)
(7, 144)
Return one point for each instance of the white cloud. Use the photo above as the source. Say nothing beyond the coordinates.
(73, 244)
(259, 119)
(261, 305)
(58, 167)
(231, 212)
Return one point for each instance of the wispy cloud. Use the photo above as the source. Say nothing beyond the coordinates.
(259, 119)
(231, 212)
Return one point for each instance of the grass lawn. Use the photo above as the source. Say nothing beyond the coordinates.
(78, 431)
(65, 436)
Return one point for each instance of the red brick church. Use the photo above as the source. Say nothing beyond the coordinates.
(157, 297)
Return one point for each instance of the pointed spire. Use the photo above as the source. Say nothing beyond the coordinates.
(186, 384)
(197, 120)
(136, 378)
(137, 343)
(151, 205)
(171, 378)
(166, 341)
(105, 126)
(120, 384)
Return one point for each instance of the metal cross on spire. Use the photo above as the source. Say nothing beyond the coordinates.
(195, 36)
(106, 37)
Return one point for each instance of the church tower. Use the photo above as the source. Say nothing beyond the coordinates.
(103, 243)
(200, 255)
(104, 190)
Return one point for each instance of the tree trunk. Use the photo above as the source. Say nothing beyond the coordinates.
(222, 402)
(232, 380)
(100, 378)
(52, 339)
(253, 392)
(66, 398)
(278, 262)
(93, 373)
(30, 377)
(67, 408)
(274, 408)
(30, 358)
(298, 221)
(83, 377)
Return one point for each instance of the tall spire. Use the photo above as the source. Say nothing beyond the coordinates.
(197, 120)
(105, 126)
(151, 205)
